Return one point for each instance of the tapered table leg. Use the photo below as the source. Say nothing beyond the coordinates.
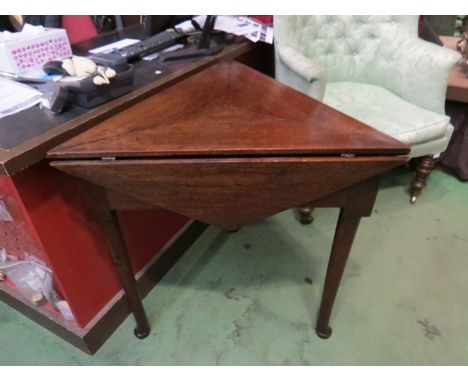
(355, 202)
(124, 270)
(344, 236)
(108, 221)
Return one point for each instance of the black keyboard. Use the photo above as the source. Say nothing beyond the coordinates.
(152, 44)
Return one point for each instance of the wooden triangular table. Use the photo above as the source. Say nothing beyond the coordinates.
(229, 147)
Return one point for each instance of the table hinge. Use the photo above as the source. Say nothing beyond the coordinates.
(347, 155)
(108, 158)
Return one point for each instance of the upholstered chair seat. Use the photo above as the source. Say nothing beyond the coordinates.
(375, 69)
(425, 130)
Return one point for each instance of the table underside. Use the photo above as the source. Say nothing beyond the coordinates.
(229, 192)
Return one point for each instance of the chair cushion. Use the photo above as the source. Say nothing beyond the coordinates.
(385, 111)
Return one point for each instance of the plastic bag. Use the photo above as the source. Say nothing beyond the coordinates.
(6, 261)
(4, 214)
(32, 278)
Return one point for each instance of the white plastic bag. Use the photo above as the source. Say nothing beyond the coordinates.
(32, 278)
(4, 214)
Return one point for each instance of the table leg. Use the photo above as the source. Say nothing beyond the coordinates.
(355, 202)
(96, 203)
(344, 236)
(305, 214)
(116, 247)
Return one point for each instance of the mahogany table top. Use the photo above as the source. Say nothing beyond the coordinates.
(228, 146)
(228, 110)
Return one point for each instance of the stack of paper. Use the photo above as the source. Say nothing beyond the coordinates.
(238, 25)
(114, 46)
(15, 97)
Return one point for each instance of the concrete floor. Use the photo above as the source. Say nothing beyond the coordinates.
(241, 299)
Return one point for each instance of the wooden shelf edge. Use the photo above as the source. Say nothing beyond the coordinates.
(91, 338)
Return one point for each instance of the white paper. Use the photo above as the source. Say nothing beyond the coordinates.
(240, 26)
(27, 31)
(154, 55)
(115, 45)
(185, 26)
(64, 308)
(4, 214)
(33, 29)
(15, 97)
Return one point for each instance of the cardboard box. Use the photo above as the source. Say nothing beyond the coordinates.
(33, 50)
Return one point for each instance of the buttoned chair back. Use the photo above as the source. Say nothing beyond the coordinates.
(373, 68)
(368, 49)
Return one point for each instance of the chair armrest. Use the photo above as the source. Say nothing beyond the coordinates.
(303, 66)
(419, 73)
(300, 72)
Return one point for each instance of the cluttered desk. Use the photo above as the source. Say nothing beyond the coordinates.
(26, 135)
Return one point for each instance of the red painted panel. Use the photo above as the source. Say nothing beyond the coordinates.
(265, 19)
(146, 232)
(74, 245)
(17, 236)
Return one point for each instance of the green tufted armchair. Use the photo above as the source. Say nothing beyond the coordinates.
(375, 69)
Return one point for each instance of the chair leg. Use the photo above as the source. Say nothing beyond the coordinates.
(305, 214)
(423, 170)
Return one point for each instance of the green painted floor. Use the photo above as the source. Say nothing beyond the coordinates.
(241, 299)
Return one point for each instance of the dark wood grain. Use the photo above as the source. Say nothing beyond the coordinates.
(124, 202)
(229, 193)
(108, 221)
(344, 236)
(228, 109)
(355, 202)
(423, 170)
